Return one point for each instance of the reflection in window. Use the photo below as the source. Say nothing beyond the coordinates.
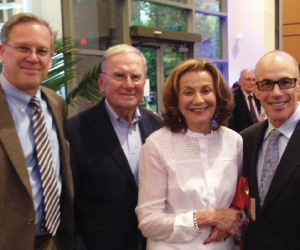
(1, 16)
(158, 16)
(210, 29)
(10, 13)
(208, 4)
(172, 57)
(150, 55)
(178, 1)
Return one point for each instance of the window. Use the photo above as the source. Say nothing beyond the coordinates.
(158, 16)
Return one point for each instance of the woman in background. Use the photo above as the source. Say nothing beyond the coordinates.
(189, 168)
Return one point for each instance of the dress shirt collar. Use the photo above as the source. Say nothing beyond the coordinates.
(288, 127)
(246, 94)
(115, 117)
(16, 96)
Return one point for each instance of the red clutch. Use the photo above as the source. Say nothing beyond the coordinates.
(241, 200)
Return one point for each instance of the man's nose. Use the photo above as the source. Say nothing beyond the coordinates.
(127, 82)
(32, 56)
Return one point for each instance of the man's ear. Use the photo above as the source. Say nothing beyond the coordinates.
(298, 86)
(101, 83)
(257, 93)
(2, 51)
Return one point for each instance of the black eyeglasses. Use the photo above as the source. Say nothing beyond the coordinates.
(283, 83)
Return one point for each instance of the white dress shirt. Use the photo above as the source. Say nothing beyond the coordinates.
(180, 173)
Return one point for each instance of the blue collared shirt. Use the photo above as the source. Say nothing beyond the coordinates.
(129, 137)
(22, 115)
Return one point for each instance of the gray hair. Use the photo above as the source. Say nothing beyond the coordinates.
(121, 48)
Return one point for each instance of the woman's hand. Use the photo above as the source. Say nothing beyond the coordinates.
(216, 235)
(228, 220)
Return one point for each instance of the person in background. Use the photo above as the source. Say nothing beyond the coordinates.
(105, 144)
(36, 187)
(189, 168)
(235, 86)
(247, 107)
(271, 156)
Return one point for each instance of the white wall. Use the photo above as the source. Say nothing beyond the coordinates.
(254, 20)
(49, 10)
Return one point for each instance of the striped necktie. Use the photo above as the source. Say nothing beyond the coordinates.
(44, 157)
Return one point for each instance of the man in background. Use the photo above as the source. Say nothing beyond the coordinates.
(247, 106)
(105, 144)
(36, 188)
(271, 157)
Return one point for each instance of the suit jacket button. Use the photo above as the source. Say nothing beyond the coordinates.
(30, 222)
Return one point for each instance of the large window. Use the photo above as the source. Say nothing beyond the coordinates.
(158, 16)
(210, 28)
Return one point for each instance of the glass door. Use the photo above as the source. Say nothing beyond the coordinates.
(160, 63)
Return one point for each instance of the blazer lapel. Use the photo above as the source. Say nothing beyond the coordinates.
(258, 140)
(244, 105)
(11, 142)
(286, 167)
(104, 129)
(145, 126)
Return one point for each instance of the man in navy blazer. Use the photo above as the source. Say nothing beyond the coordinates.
(241, 116)
(105, 143)
(276, 224)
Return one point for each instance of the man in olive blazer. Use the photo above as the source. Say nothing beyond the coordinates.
(17, 214)
(26, 50)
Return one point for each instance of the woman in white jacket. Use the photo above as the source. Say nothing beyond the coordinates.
(189, 168)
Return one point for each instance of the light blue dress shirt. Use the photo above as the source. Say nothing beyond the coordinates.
(287, 129)
(129, 137)
(22, 116)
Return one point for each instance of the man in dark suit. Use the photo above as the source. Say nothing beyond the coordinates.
(244, 98)
(271, 157)
(27, 219)
(105, 144)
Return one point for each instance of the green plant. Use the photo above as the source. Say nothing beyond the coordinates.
(63, 71)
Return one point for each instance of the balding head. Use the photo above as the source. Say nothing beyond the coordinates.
(247, 80)
(279, 103)
(273, 58)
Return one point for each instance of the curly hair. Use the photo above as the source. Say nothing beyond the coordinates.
(173, 119)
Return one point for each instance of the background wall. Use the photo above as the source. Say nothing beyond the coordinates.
(291, 28)
(253, 21)
(50, 11)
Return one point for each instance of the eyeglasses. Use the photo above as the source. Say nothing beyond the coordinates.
(121, 77)
(27, 50)
(283, 83)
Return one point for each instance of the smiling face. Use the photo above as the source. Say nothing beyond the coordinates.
(279, 104)
(26, 71)
(123, 83)
(197, 100)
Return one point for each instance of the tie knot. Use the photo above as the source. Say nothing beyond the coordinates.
(250, 97)
(35, 103)
(274, 135)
